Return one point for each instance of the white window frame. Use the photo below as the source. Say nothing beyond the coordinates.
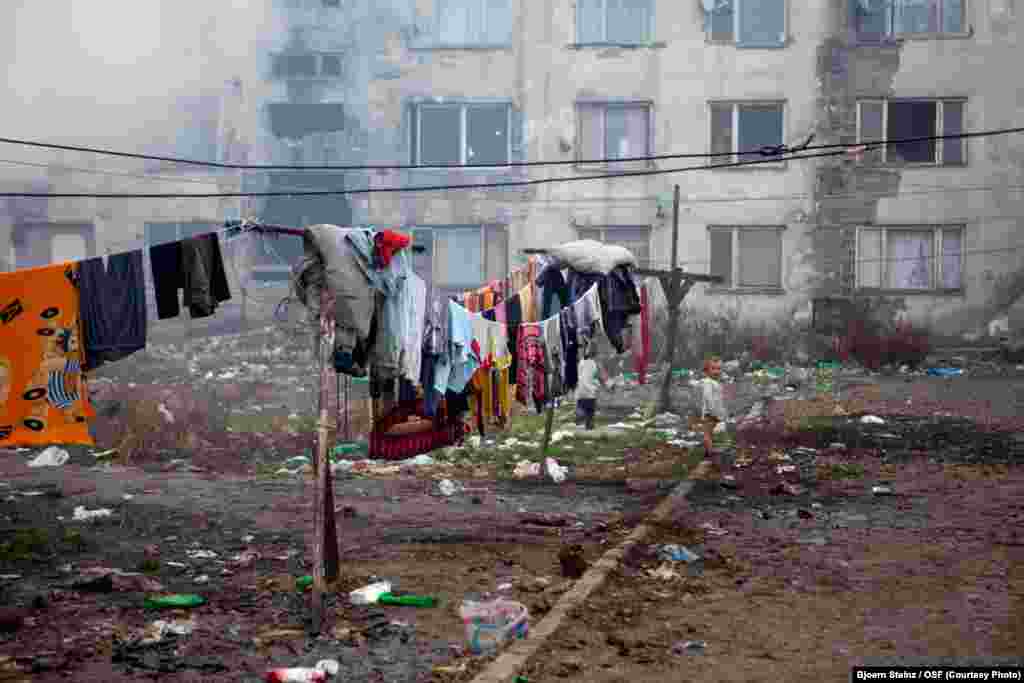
(648, 30)
(480, 40)
(735, 123)
(464, 108)
(604, 106)
(736, 28)
(940, 123)
(607, 234)
(890, 22)
(732, 284)
(482, 229)
(937, 257)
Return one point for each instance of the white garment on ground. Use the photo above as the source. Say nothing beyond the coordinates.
(589, 380)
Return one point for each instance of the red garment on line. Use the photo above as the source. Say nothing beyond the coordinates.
(387, 242)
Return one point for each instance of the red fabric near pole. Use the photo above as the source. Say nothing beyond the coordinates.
(387, 242)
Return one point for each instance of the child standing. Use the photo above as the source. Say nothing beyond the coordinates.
(586, 389)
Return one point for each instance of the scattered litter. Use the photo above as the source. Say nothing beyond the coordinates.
(525, 468)
(784, 469)
(201, 579)
(105, 454)
(420, 460)
(812, 540)
(179, 565)
(677, 553)
(685, 443)
(296, 675)
(328, 666)
(248, 538)
(729, 481)
(83, 515)
(201, 554)
(788, 489)
(369, 595)
(246, 558)
(945, 372)
(881, 490)
(837, 446)
(174, 601)
(690, 647)
(555, 471)
(158, 630)
(50, 457)
(561, 435)
(165, 413)
(32, 494)
(664, 573)
(447, 487)
(407, 600)
(713, 529)
(501, 587)
(620, 426)
(872, 420)
(489, 625)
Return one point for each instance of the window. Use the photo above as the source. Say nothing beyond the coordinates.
(916, 258)
(613, 131)
(461, 257)
(474, 22)
(616, 22)
(747, 257)
(741, 129)
(306, 65)
(901, 119)
(877, 19)
(636, 238)
(41, 244)
(462, 134)
(747, 23)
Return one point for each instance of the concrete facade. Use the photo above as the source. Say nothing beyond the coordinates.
(819, 73)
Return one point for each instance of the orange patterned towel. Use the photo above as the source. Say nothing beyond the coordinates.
(43, 398)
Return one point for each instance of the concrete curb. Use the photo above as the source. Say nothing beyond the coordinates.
(508, 664)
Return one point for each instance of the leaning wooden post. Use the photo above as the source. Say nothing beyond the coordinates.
(325, 537)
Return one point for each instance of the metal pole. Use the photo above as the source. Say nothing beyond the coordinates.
(672, 297)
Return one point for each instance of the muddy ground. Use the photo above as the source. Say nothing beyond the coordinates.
(931, 570)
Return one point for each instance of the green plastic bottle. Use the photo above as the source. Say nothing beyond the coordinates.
(303, 582)
(173, 601)
(407, 600)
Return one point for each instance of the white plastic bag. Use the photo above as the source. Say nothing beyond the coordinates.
(590, 256)
(555, 471)
(51, 457)
(525, 468)
(490, 625)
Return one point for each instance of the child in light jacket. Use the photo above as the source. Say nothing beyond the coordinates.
(590, 378)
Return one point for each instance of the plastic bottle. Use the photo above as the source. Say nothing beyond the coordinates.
(296, 675)
(407, 600)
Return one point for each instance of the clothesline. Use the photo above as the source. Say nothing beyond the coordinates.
(480, 314)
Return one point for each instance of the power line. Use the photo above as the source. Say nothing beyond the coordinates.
(424, 188)
(912, 189)
(767, 150)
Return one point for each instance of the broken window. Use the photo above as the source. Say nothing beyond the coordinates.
(747, 23)
(618, 22)
(462, 134)
(905, 258)
(636, 238)
(474, 22)
(330, 65)
(461, 257)
(890, 120)
(613, 131)
(746, 257)
(740, 130)
(876, 19)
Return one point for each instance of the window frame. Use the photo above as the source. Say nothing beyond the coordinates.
(940, 127)
(609, 229)
(938, 231)
(730, 285)
(484, 229)
(735, 156)
(471, 44)
(464, 106)
(890, 25)
(647, 38)
(318, 56)
(605, 104)
(735, 40)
